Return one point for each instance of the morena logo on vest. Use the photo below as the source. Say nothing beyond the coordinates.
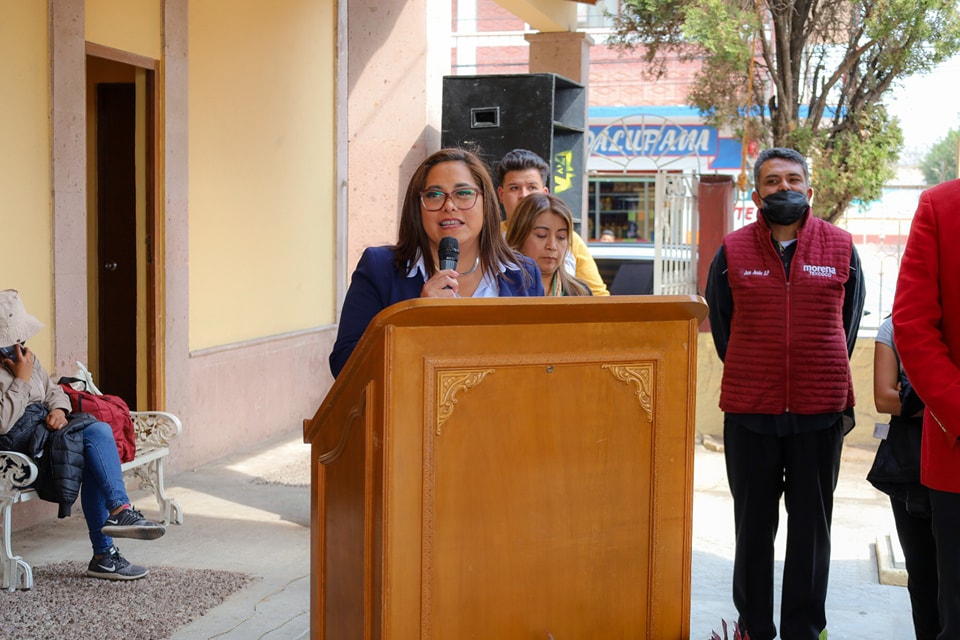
(820, 271)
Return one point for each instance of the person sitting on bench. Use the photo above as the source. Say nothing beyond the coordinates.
(33, 408)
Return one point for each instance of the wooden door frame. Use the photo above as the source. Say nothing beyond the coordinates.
(155, 270)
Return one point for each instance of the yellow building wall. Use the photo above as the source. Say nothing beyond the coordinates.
(136, 27)
(261, 168)
(26, 209)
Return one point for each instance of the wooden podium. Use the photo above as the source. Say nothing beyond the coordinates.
(508, 468)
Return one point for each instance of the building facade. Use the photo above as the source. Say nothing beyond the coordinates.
(186, 187)
(636, 125)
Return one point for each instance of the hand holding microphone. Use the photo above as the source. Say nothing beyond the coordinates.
(449, 254)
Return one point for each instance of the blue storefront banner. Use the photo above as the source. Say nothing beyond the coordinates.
(646, 140)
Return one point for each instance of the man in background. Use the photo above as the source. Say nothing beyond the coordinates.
(926, 322)
(522, 172)
(786, 294)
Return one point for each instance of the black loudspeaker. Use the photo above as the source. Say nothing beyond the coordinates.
(542, 112)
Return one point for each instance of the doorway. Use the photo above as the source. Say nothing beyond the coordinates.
(123, 270)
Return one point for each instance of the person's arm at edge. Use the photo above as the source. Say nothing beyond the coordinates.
(720, 301)
(362, 302)
(587, 270)
(15, 394)
(917, 318)
(854, 295)
(13, 399)
(886, 379)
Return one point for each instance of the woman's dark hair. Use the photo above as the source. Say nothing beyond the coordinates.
(412, 239)
(521, 225)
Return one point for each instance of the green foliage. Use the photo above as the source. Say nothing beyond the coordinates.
(721, 28)
(661, 23)
(821, 71)
(856, 162)
(940, 163)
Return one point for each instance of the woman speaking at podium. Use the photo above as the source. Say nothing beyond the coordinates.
(450, 195)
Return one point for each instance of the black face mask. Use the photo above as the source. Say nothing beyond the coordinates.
(784, 207)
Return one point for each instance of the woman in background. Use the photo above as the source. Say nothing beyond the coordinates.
(540, 229)
(908, 498)
(450, 194)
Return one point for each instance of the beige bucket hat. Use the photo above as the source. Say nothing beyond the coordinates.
(16, 325)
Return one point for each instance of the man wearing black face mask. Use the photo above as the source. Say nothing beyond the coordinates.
(786, 295)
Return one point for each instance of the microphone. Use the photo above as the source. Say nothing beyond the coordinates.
(448, 252)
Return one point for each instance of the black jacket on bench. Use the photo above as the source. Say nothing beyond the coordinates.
(58, 454)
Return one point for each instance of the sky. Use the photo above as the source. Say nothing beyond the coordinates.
(927, 106)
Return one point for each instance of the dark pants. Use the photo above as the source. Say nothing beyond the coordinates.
(803, 468)
(920, 555)
(945, 510)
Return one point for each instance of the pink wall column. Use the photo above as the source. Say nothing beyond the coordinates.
(69, 176)
(566, 53)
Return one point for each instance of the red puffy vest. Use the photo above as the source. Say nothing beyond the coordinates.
(787, 350)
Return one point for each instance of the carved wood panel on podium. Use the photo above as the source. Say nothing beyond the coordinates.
(509, 469)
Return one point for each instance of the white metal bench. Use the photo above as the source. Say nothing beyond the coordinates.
(153, 431)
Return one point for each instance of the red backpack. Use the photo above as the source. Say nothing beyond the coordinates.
(110, 409)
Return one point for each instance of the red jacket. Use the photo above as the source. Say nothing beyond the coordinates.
(926, 321)
(787, 349)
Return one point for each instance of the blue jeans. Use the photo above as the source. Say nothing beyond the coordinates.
(102, 489)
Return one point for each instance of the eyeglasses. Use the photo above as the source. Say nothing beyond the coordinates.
(434, 199)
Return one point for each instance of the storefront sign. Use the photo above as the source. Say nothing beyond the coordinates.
(621, 143)
(630, 140)
(744, 212)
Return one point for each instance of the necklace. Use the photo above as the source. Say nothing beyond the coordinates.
(476, 263)
(555, 288)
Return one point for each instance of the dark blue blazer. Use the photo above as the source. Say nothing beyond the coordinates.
(376, 285)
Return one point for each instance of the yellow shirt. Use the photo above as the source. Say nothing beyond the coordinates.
(587, 270)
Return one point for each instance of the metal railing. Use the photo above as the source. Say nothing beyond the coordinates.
(675, 248)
